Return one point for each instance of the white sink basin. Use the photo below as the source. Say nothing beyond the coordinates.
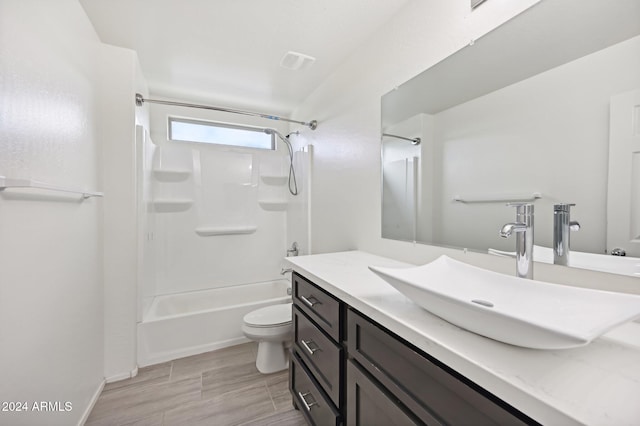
(513, 310)
(623, 265)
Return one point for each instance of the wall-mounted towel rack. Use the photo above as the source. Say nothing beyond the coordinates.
(497, 198)
(6, 183)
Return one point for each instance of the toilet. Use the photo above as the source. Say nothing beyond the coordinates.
(271, 328)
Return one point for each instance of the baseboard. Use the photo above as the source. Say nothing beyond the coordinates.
(92, 403)
(123, 376)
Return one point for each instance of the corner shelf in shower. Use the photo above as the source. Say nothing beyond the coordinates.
(171, 205)
(212, 231)
(274, 179)
(273, 205)
(171, 175)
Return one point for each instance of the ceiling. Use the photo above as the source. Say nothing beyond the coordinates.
(228, 52)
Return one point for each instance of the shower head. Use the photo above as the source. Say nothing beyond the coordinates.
(293, 186)
(270, 131)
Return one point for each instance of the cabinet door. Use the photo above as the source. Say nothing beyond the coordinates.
(368, 404)
(429, 389)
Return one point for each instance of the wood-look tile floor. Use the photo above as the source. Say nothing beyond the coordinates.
(218, 388)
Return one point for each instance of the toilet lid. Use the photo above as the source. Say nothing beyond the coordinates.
(269, 316)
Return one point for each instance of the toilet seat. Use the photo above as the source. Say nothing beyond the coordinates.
(269, 316)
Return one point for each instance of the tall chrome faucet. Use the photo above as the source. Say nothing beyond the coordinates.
(562, 227)
(523, 227)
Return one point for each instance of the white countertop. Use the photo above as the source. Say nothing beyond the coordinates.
(598, 384)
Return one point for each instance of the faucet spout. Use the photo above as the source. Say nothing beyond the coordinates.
(285, 271)
(510, 228)
(523, 228)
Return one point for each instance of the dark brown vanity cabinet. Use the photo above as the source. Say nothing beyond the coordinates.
(347, 369)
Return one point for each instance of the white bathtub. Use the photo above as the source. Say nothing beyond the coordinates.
(184, 324)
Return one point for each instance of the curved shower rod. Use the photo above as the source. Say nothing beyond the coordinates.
(313, 124)
(414, 141)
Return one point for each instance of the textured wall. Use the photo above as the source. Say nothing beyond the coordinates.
(51, 299)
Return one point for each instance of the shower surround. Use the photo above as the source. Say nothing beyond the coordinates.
(214, 233)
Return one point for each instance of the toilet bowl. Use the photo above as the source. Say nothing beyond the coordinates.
(271, 328)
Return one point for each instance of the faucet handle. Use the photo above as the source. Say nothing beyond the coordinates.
(618, 252)
(563, 207)
(522, 208)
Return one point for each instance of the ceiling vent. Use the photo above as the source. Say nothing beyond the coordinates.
(296, 61)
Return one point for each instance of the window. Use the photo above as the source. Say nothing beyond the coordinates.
(186, 130)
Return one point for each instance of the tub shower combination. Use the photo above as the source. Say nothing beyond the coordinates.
(214, 228)
(184, 324)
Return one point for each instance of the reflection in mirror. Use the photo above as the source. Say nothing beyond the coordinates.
(401, 180)
(533, 122)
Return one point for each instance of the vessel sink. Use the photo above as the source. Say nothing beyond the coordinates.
(623, 265)
(521, 312)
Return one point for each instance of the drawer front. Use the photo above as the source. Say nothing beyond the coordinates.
(371, 405)
(433, 392)
(320, 354)
(308, 397)
(321, 307)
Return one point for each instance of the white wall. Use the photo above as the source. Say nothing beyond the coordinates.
(51, 295)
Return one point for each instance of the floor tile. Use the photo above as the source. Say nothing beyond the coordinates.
(224, 358)
(231, 408)
(278, 386)
(154, 420)
(283, 418)
(227, 379)
(219, 388)
(128, 404)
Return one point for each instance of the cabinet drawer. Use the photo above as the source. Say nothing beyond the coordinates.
(321, 355)
(321, 307)
(371, 405)
(308, 397)
(433, 392)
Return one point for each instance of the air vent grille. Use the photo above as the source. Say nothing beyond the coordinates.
(296, 61)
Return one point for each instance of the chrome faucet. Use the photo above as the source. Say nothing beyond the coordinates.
(293, 251)
(523, 227)
(285, 271)
(562, 227)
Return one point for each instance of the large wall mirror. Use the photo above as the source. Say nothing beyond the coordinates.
(544, 109)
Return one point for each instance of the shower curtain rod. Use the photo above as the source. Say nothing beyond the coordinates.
(414, 141)
(140, 100)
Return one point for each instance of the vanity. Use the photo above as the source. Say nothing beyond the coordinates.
(365, 354)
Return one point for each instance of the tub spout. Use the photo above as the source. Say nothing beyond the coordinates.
(285, 271)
